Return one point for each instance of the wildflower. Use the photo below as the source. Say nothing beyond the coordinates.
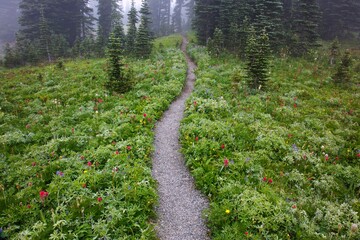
(117, 152)
(227, 211)
(83, 185)
(358, 155)
(145, 115)
(128, 148)
(99, 199)
(89, 164)
(28, 206)
(195, 103)
(28, 126)
(85, 171)
(293, 206)
(354, 227)
(326, 157)
(100, 100)
(222, 146)
(295, 105)
(113, 143)
(33, 164)
(226, 162)
(82, 157)
(73, 130)
(270, 180)
(264, 179)
(115, 169)
(43, 195)
(246, 233)
(196, 138)
(295, 148)
(59, 173)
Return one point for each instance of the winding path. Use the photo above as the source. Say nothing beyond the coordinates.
(180, 205)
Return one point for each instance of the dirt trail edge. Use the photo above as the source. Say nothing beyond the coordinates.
(180, 204)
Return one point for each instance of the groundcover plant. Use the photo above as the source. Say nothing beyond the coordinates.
(74, 158)
(279, 164)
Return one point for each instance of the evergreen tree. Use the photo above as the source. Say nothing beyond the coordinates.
(342, 74)
(189, 6)
(216, 45)
(257, 53)
(44, 36)
(131, 34)
(109, 17)
(177, 16)
(206, 19)
(334, 51)
(143, 38)
(117, 81)
(160, 16)
(305, 26)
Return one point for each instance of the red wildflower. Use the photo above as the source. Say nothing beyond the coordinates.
(226, 162)
(83, 185)
(89, 164)
(358, 155)
(326, 157)
(33, 164)
(28, 206)
(293, 206)
(99, 199)
(295, 105)
(222, 146)
(270, 180)
(195, 103)
(72, 130)
(28, 126)
(128, 148)
(196, 138)
(43, 195)
(100, 100)
(117, 152)
(264, 179)
(246, 233)
(145, 115)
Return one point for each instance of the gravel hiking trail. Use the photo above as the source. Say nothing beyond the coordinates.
(180, 204)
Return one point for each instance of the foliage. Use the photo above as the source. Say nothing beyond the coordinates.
(131, 34)
(75, 160)
(143, 39)
(282, 164)
(216, 45)
(118, 80)
(257, 54)
(343, 74)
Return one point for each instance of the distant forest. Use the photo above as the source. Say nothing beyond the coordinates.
(49, 30)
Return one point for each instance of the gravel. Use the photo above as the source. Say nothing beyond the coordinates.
(180, 205)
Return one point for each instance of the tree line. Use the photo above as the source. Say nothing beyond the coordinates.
(292, 25)
(66, 28)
